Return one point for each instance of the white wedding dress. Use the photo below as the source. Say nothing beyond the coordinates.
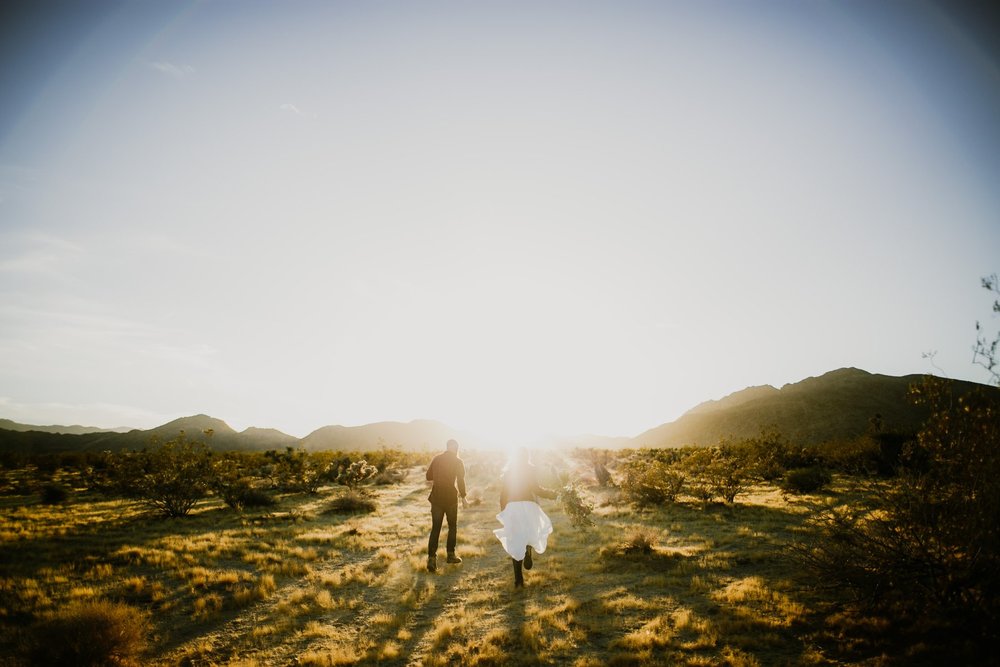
(524, 524)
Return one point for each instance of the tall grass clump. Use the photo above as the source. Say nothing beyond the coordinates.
(351, 502)
(90, 634)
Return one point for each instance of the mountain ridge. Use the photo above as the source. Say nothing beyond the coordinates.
(839, 404)
(836, 405)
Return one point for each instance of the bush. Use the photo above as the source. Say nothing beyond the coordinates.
(356, 474)
(857, 456)
(927, 548)
(351, 502)
(806, 480)
(298, 471)
(389, 476)
(172, 477)
(639, 540)
(649, 482)
(53, 494)
(256, 498)
(576, 506)
(93, 633)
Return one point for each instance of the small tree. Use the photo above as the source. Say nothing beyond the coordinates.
(299, 471)
(648, 482)
(233, 482)
(985, 352)
(170, 478)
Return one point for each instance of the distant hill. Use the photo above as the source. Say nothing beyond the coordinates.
(833, 406)
(223, 438)
(75, 429)
(836, 405)
(419, 434)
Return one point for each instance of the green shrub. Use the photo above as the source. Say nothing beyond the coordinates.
(176, 476)
(296, 470)
(806, 480)
(649, 482)
(90, 634)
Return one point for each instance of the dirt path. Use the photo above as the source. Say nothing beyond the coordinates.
(389, 619)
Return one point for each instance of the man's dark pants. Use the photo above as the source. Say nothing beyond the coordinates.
(438, 513)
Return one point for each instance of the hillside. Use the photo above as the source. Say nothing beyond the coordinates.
(75, 429)
(419, 434)
(223, 438)
(836, 405)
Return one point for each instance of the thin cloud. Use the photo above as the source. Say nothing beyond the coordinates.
(292, 109)
(172, 70)
(39, 253)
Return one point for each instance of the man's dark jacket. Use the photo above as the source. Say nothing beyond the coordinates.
(446, 470)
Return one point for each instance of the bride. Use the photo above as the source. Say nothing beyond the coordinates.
(525, 526)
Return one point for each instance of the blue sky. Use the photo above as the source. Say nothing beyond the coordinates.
(516, 218)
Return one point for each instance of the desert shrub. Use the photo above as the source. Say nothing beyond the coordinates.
(857, 456)
(356, 474)
(52, 493)
(100, 473)
(806, 480)
(717, 471)
(728, 475)
(389, 476)
(602, 474)
(298, 471)
(598, 458)
(648, 482)
(254, 497)
(768, 455)
(230, 481)
(351, 502)
(928, 547)
(639, 540)
(169, 478)
(93, 633)
(577, 508)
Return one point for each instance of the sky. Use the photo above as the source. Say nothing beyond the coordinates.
(513, 217)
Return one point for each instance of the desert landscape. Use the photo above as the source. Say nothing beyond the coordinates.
(724, 270)
(752, 551)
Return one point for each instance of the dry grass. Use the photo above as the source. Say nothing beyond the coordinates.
(681, 584)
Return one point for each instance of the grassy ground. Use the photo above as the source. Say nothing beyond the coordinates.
(295, 585)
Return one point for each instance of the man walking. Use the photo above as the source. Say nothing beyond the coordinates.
(445, 471)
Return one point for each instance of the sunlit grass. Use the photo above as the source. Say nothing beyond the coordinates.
(681, 584)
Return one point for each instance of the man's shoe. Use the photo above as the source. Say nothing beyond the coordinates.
(452, 558)
(432, 565)
(527, 559)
